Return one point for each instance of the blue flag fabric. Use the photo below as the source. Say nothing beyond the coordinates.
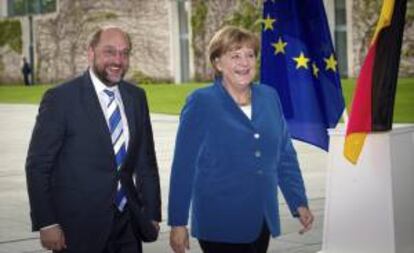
(299, 61)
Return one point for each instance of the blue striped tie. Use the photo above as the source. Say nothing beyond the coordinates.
(118, 142)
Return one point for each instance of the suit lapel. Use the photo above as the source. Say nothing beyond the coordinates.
(94, 111)
(230, 104)
(129, 108)
(256, 103)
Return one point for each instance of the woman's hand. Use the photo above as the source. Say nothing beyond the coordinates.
(305, 218)
(179, 240)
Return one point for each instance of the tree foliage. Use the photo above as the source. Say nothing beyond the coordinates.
(365, 18)
(208, 16)
(198, 29)
(11, 34)
(247, 14)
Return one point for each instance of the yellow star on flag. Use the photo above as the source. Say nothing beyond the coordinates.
(331, 63)
(268, 23)
(315, 70)
(279, 46)
(301, 61)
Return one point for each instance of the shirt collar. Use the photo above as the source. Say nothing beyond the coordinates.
(99, 85)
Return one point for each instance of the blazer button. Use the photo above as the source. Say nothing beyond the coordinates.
(257, 154)
(259, 172)
(256, 135)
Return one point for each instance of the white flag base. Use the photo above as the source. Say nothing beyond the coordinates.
(370, 206)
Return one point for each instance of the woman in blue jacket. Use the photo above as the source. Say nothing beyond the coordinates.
(233, 151)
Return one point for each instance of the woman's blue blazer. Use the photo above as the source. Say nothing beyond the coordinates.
(228, 168)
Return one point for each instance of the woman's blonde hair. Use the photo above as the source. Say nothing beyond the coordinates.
(230, 38)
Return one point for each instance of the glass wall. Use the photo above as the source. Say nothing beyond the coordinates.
(26, 7)
(341, 37)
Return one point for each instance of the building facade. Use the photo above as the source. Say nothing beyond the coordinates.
(168, 44)
(158, 29)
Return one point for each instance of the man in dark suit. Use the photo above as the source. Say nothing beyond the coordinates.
(26, 70)
(92, 156)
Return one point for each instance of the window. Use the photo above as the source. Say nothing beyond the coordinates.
(341, 37)
(26, 7)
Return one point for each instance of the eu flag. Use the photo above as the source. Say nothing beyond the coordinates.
(299, 61)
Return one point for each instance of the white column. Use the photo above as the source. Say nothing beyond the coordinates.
(330, 14)
(349, 38)
(24, 21)
(175, 42)
(3, 8)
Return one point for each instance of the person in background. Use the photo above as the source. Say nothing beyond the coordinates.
(26, 70)
(233, 151)
(91, 153)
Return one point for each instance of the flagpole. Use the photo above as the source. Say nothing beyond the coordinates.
(345, 117)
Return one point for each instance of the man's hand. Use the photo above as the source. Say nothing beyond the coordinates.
(53, 238)
(156, 225)
(305, 218)
(179, 241)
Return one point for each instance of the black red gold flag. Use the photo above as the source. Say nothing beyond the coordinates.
(373, 102)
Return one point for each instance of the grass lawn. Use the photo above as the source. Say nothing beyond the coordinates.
(162, 98)
(170, 98)
(404, 100)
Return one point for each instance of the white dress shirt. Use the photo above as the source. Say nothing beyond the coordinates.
(104, 100)
(247, 109)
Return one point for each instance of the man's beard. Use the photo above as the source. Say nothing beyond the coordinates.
(104, 76)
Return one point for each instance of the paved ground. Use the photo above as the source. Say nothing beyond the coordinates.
(15, 235)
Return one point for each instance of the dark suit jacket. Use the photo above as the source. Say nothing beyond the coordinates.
(70, 164)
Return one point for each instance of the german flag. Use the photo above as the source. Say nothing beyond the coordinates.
(373, 102)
